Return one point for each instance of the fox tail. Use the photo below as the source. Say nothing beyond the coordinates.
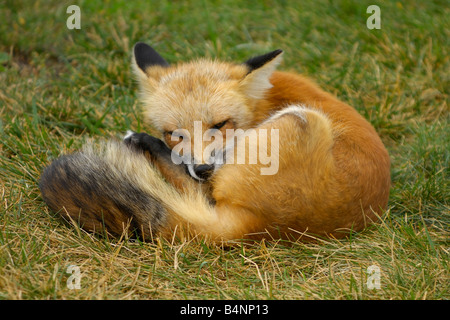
(111, 187)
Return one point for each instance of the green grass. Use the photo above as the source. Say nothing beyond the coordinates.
(59, 87)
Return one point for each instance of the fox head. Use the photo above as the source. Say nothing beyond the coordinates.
(201, 97)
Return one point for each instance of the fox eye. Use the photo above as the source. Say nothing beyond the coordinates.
(219, 125)
(170, 135)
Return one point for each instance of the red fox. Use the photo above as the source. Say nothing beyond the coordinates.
(332, 172)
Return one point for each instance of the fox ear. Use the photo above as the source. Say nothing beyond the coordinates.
(145, 57)
(260, 68)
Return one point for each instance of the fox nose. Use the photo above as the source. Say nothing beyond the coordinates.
(204, 171)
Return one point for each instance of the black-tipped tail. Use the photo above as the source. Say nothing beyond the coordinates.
(88, 190)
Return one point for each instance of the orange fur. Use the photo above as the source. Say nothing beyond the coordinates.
(335, 175)
(333, 170)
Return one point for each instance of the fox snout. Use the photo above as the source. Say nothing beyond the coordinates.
(203, 163)
(201, 171)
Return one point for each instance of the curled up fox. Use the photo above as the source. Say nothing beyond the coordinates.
(327, 171)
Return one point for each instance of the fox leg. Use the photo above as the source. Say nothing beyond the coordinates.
(161, 156)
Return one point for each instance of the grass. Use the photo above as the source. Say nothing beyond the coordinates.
(60, 86)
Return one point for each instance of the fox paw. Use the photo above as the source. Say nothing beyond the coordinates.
(146, 143)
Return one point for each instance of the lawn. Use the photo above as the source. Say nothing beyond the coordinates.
(60, 87)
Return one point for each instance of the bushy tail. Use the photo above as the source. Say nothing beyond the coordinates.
(111, 187)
